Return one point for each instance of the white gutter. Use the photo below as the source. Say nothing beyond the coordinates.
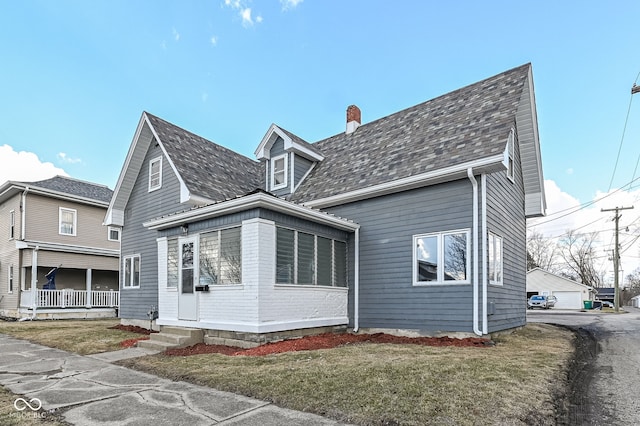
(356, 281)
(23, 214)
(474, 242)
(485, 272)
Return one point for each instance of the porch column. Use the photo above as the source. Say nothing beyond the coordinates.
(34, 276)
(88, 281)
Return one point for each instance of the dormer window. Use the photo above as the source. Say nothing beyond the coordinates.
(279, 172)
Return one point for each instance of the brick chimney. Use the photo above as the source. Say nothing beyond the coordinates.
(353, 118)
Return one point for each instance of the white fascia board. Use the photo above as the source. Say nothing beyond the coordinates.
(251, 201)
(66, 248)
(114, 217)
(536, 137)
(262, 152)
(485, 165)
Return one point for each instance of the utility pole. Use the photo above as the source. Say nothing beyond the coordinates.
(616, 257)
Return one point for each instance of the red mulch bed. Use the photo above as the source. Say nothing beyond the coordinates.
(133, 329)
(327, 341)
(132, 342)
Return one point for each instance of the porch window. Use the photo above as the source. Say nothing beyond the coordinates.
(441, 258)
(307, 259)
(67, 220)
(12, 224)
(221, 257)
(131, 271)
(172, 263)
(279, 172)
(10, 289)
(495, 259)
(155, 174)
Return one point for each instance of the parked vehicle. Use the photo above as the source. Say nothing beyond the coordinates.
(551, 301)
(607, 305)
(539, 301)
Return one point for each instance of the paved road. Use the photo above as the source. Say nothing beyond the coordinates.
(606, 376)
(88, 390)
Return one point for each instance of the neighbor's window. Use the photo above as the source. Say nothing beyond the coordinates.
(279, 172)
(10, 290)
(441, 258)
(155, 174)
(307, 259)
(12, 224)
(221, 257)
(495, 259)
(172, 263)
(114, 233)
(67, 220)
(131, 271)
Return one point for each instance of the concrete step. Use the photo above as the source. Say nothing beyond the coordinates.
(173, 337)
(154, 344)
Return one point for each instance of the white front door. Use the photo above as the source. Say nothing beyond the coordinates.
(187, 277)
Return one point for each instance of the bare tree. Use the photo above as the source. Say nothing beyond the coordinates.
(541, 252)
(578, 253)
(632, 288)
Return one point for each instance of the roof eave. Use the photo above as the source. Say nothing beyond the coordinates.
(258, 200)
(485, 165)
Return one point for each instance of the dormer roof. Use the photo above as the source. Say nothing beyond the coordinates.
(292, 143)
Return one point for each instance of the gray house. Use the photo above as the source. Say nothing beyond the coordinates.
(414, 222)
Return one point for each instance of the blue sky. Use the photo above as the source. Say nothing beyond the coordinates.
(75, 77)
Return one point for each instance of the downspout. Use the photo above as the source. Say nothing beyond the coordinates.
(474, 242)
(356, 281)
(485, 272)
(23, 215)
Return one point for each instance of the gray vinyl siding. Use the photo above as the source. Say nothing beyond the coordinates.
(388, 298)
(136, 239)
(506, 218)
(300, 167)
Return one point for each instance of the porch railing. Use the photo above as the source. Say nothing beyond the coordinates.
(69, 298)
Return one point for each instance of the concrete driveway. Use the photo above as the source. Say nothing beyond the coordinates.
(88, 390)
(605, 376)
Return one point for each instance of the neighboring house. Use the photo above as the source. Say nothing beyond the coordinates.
(415, 221)
(635, 301)
(570, 294)
(56, 225)
(606, 294)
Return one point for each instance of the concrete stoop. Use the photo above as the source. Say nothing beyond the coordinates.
(172, 337)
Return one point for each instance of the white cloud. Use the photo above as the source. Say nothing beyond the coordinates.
(289, 4)
(204, 96)
(176, 34)
(569, 171)
(258, 19)
(24, 166)
(65, 159)
(245, 14)
(214, 40)
(244, 11)
(564, 213)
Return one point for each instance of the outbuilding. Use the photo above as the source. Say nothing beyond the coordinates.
(570, 294)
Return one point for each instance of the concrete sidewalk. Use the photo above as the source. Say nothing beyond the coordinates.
(88, 390)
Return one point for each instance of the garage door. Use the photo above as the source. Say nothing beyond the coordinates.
(568, 300)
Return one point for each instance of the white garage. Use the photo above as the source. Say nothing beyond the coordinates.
(570, 294)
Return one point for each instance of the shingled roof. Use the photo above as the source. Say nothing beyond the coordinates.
(459, 127)
(78, 188)
(207, 169)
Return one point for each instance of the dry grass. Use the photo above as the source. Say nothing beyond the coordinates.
(9, 416)
(514, 383)
(80, 336)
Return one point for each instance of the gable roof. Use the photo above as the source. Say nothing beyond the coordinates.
(291, 143)
(539, 278)
(468, 127)
(62, 187)
(207, 172)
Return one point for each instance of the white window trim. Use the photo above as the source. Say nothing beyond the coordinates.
(440, 242)
(492, 239)
(151, 163)
(124, 261)
(285, 157)
(113, 228)
(510, 156)
(12, 224)
(75, 221)
(10, 280)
